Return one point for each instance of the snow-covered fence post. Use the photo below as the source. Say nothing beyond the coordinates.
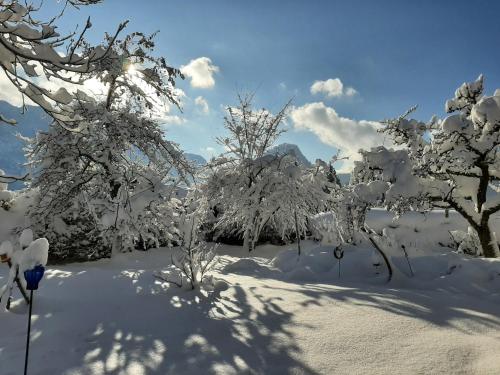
(33, 277)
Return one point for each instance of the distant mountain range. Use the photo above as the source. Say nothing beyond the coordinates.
(198, 160)
(11, 147)
(288, 148)
(291, 149)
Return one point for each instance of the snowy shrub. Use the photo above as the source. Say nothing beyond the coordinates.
(193, 261)
(6, 196)
(193, 258)
(323, 228)
(466, 242)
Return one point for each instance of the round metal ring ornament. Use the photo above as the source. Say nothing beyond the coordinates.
(338, 253)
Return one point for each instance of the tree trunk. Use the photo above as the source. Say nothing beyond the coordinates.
(252, 233)
(487, 240)
(248, 239)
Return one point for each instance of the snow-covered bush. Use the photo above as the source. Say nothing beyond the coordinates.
(6, 196)
(451, 163)
(466, 242)
(193, 258)
(323, 227)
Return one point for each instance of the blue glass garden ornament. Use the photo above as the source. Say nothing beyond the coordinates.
(33, 277)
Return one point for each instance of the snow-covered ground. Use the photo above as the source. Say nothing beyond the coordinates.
(271, 315)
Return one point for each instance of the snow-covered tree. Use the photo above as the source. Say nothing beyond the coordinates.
(241, 178)
(296, 194)
(114, 165)
(451, 163)
(33, 52)
(255, 190)
(30, 49)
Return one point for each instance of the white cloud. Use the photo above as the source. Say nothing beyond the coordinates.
(201, 72)
(202, 105)
(9, 92)
(350, 91)
(332, 88)
(171, 120)
(343, 133)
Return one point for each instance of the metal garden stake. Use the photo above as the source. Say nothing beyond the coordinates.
(339, 254)
(33, 277)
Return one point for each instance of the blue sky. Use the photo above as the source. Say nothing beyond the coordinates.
(393, 53)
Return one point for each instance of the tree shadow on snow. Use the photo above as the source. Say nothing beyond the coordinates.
(439, 307)
(197, 335)
(154, 329)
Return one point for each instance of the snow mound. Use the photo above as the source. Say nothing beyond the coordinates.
(26, 238)
(35, 254)
(250, 266)
(6, 195)
(319, 264)
(6, 248)
(413, 268)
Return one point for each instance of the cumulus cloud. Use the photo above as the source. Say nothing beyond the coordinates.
(171, 120)
(201, 72)
(332, 88)
(9, 92)
(343, 133)
(349, 91)
(202, 105)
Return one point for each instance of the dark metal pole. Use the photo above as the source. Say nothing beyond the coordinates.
(28, 336)
(407, 259)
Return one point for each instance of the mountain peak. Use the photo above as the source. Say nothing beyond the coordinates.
(292, 149)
